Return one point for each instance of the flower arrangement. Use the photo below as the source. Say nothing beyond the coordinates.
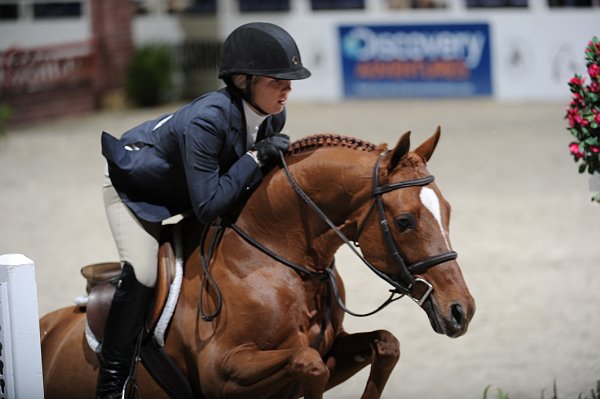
(583, 114)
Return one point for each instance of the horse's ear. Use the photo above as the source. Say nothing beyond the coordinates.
(426, 149)
(400, 150)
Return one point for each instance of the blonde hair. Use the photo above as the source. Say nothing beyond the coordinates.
(239, 81)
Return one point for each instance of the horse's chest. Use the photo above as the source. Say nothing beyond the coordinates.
(292, 313)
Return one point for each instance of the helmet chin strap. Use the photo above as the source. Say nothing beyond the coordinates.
(247, 95)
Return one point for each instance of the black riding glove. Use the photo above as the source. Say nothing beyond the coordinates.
(268, 149)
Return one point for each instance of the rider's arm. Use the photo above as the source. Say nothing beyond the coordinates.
(213, 191)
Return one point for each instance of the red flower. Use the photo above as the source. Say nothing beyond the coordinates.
(594, 71)
(578, 99)
(595, 87)
(595, 149)
(576, 80)
(574, 147)
(579, 120)
(572, 114)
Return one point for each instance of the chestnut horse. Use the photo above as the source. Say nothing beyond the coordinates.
(277, 328)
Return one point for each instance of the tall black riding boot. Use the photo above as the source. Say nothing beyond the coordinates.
(125, 321)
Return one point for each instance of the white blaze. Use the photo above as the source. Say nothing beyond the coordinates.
(431, 201)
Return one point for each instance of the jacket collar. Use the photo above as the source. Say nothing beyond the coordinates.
(237, 122)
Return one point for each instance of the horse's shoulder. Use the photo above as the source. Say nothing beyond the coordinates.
(60, 321)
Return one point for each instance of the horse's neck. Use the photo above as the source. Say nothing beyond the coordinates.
(337, 180)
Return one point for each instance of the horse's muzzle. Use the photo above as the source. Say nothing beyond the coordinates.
(452, 321)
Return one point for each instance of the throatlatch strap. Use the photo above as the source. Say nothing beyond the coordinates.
(165, 372)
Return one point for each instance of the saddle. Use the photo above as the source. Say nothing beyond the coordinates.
(101, 281)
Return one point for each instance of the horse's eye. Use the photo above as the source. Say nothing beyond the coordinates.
(405, 222)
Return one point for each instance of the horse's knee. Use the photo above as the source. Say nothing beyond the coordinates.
(308, 367)
(386, 348)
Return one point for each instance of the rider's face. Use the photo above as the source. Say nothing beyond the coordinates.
(271, 94)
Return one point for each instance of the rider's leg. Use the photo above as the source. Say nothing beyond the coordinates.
(137, 244)
(123, 326)
(137, 240)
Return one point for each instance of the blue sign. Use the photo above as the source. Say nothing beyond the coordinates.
(450, 60)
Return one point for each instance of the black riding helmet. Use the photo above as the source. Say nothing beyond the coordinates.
(261, 49)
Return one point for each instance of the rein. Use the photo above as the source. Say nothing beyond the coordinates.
(326, 275)
(216, 238)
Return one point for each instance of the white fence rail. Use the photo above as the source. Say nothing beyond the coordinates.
(20, 355)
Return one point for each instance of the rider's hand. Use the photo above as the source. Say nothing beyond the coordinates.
(268, 149)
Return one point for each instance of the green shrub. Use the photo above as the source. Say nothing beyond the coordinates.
(594, 392)
(149, 77)
(501, 394)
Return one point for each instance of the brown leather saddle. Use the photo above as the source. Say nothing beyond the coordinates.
(101, 281)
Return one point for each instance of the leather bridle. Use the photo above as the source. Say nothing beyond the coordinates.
(406, 283)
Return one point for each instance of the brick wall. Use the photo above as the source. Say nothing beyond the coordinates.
(111, 26)
(49, 82)
(44, 105)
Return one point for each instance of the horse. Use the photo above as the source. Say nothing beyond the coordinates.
(270, 325)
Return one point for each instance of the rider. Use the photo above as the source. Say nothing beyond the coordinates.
(203, 158)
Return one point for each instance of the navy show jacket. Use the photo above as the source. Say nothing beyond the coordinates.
(193, 159)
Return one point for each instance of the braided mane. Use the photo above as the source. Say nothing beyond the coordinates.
(330, 140)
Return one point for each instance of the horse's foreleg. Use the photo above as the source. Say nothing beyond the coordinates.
(351, 353)
(308, 368)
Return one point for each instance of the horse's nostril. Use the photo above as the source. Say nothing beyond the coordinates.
(458, 314)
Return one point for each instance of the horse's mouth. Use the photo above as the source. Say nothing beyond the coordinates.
(453, 324)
